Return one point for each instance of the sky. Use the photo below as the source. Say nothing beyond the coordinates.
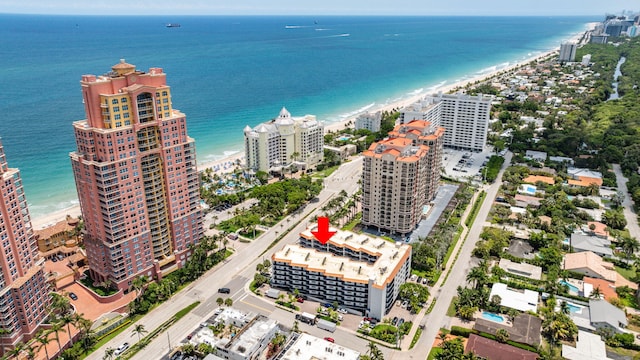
(319, 7)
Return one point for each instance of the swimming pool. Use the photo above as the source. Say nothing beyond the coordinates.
(344, 138)
(572, 287)
(574, 308)
(529, 189)
(492, 317)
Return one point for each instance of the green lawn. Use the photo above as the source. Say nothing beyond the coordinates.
(451, 311)
(629, 274)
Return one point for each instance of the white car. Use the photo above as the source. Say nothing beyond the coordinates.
(342, 310)
(122, 348)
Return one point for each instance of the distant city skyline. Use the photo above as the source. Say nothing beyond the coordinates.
(327, 7)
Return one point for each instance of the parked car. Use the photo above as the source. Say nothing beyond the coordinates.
(414, 277)
(73, 296)
(328, 305)
(122, 348)
(329, 339)
(224, 291)
(425, 281)
(394, 322)
(300, 300)
(366, 319)
(401, 321)
(404, 304)
(398, 302)
(342, 310)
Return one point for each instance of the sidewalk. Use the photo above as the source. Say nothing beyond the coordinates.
(406, 341)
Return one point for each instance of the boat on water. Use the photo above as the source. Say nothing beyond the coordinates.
(170, 25)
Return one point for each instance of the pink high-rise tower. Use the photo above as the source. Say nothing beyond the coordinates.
(24, 294)
(135, 172)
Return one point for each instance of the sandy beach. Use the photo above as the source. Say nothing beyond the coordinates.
(227, 164)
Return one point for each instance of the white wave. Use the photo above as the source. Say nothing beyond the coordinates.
(322, 29)
(230, 152)
(356, 112)
(487, 70)
(416, 92)
(438, 85)
(340, 35)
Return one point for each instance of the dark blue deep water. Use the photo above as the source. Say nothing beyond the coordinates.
(228, 72)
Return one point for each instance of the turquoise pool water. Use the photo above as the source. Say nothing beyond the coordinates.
(574, 308)
(529, 189)
(572, 287)
(344, 138)
(492, 317)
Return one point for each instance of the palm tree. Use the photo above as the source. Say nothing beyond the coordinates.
(596, 293)
(220, 301)
(57, 328)
(502, 335)
(228, 302)
(564, 307)
(67, 319)
(629, 245)
(139, 283)
(295, 327)
(43, 339)
(17, 349)
(140, 330)
(477, 276)
(109, 353)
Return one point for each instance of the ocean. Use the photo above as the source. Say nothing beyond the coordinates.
(227, 72)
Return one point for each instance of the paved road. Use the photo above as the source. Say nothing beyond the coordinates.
(437, 318)
(238, 270)
(627, 204)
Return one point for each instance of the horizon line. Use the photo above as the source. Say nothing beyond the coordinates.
(310, 15)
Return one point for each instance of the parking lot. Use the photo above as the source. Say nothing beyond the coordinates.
(462, 164)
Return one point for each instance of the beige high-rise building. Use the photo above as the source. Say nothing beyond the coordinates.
(284, 141)
(424, 133)
(395, 173)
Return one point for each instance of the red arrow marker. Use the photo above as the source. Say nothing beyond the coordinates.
(323, 234)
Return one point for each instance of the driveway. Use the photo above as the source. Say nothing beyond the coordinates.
(627, 204)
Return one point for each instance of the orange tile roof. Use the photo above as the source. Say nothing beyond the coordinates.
(591, 261)
(591, 180)
(600, 228)
(53, 230)
(606, 288)
(532, 179)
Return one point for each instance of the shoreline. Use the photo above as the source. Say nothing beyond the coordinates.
(226, 162)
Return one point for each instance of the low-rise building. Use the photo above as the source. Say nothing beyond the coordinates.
(521, 269)
(307, 347)
(534, 179)
(519, 299)
(525, 200)
(359, 272)
(591, 265)
(588, 347)
(583, 242)
(369, 121)
(250, 336)
(606, 316)
(57, 236)
(491, 349)
(539, 156)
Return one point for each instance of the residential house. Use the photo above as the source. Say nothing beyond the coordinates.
(523, 300)
(606, 316)
(591, 265)
(588, 347)
(525, 200)
(521, 269)
(493, 350)
(583, 242)
(534, 179)
(539, 156)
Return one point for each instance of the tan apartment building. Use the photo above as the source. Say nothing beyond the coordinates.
(394, 183)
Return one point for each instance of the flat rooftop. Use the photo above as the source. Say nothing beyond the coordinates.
(390, 258)
(523, 300)
(522, 269)
(307, 347)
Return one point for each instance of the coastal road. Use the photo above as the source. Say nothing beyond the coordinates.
(437, 318)
(627, 203)
(238, 269)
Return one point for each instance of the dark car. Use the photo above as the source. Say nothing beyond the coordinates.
(73, 296)
(224, 291)
(401, 321)
(394, 322)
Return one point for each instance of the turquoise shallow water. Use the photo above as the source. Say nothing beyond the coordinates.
(227, 72)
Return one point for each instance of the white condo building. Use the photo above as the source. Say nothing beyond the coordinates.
(369, 121)
(284, 141)
(465, 118)
(360, 272)
(568, 52)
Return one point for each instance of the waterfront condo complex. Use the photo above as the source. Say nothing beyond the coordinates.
(465, 118)
(283, 142)
(24, 295)
(394, 184)
(136, 177)
(360, 272)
